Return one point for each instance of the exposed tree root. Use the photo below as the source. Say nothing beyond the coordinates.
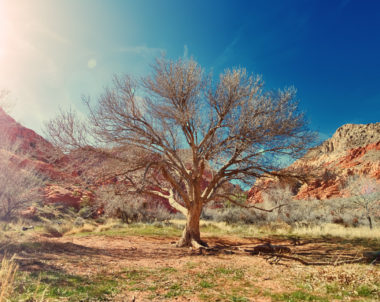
(196, 244)
(275, 253)
(275, 258)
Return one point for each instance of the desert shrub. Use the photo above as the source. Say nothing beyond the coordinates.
(132, 209)
(86, 212)
(279, 199)
(79, 221)
(364, 197)
(57, 230)
(54, 214)
(307, 213)
(319, 212)
(346, 211)
(19, 181)
(65, 228)
(209, 213)
(232, 215)
(52, 231)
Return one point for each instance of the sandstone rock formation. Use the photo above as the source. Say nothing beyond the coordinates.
(24, 148)
(68, 195)
(24, 140)
(354, 149)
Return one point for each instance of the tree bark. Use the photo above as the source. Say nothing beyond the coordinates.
(191, 235)
(370, 222)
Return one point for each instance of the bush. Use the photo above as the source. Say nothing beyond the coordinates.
(79, 221)
(305, 213)
(19, 181)
(232, 215)
(86, 212)
(58, 230)
(132, 209)
(52, 231)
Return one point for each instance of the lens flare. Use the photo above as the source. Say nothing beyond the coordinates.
(91, 63)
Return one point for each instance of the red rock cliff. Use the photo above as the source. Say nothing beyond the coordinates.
(354, 149)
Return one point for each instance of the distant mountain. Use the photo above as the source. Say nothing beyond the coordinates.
(353, 150)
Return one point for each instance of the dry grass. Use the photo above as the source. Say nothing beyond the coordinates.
(222, 228)
(8, 272)
(330, 229)
(109, 225)
(57, 230)
(86, 228)
(11, 232)
(336, 230)
(114, 261)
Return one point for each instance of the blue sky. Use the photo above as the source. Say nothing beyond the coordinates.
(52, 52)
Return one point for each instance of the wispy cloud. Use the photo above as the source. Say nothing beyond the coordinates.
(141, 50)
(185, 52)
(229, 49)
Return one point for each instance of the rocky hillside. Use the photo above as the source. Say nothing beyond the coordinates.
(24, 140)
(70, 179)
(25, 149)
(354, 149)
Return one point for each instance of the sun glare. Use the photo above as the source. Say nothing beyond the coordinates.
(2, 28)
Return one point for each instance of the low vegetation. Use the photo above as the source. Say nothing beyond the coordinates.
(19, 181)
(303, 213)
(8, 271)
(108, 260)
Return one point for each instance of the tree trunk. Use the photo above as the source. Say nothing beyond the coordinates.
(191, 235)
(370, 222)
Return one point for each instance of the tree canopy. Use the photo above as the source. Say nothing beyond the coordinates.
(185, 136)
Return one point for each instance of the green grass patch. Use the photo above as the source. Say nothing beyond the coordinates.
(365, 291)
(206, 284)
(298, 295)
(238, 299)
(168, 270)
(138, 229)
(175, 291)
(238, 274)
(56, 285)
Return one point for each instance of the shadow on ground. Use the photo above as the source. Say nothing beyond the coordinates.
(101, 251)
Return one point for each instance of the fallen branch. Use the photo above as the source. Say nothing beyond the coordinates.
(268, 248)
(334, 263)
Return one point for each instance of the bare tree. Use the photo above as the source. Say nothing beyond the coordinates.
(19, 180)
(365, 195)
(278, 197)
(186, 136)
